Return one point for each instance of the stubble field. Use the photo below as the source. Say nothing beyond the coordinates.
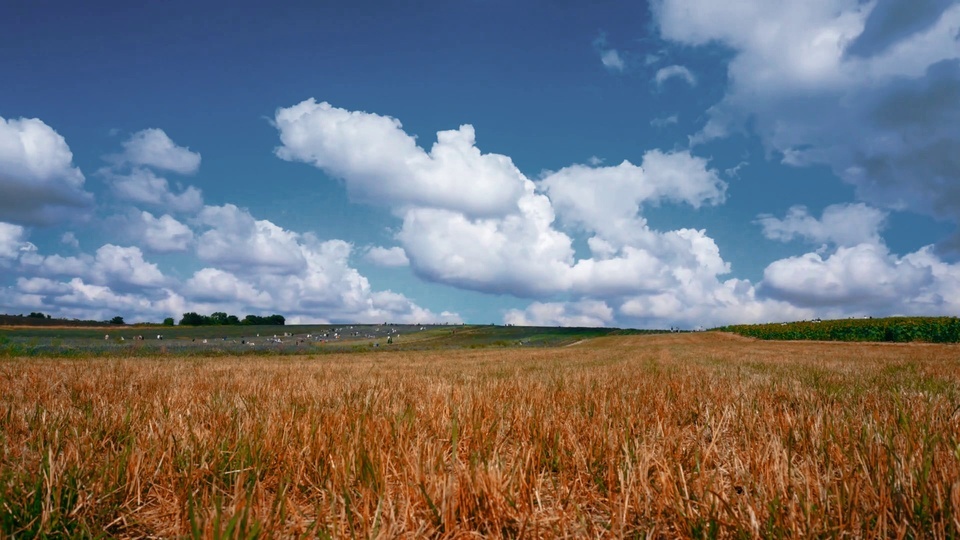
(689, 435)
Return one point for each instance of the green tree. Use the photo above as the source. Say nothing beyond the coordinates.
(117, 320)
(193, 319)
(168, 321)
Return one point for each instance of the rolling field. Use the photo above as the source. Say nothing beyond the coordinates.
(674, 435)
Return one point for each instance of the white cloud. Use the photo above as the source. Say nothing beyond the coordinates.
(38, 183)
(664, 74)
(635, 275)
(277, 271)
(163, 235)
(610, 57)
(70, 239)
(585, 313)
(871, 89)
(382, 164)
(665, 121)
(258, 263)
(522, 252)
(235, 240)
(604, 199)
(132, 179)
(79, 299)
(111, 266)
(611, 60)
(153, 148)
(382, 256)
(217, 287)
(867, 279)
(840, 224)
(12, 241)
(145, 187)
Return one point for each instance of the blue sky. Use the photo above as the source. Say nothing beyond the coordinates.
(673, 163)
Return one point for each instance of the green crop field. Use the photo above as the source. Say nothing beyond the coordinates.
(122, 340)
(890, 329)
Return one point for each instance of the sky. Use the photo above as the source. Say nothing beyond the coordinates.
(671, 163)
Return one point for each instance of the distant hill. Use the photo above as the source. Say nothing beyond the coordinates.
(24, 320)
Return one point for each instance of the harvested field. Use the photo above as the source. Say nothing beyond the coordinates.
(679, 435)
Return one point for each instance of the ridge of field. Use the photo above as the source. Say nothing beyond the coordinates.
(888, 329)
(665, 436)
(288, 339)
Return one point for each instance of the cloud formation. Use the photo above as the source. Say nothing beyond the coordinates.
(609, 57)
(871, 89)
(840, 224)
(517, 247)
(39, 184)
(133, 179)
(390, 257)
(381, 164)
(664, 74)
(854, 272)
(153, 148)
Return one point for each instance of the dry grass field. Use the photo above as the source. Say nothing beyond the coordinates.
(690, 435)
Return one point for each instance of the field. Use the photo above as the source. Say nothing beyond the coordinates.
(675, 435)
(273, 340)
(890, 329)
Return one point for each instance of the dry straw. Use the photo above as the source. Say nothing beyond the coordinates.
(703, 435)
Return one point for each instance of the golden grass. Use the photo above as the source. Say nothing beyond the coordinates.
(697, 435)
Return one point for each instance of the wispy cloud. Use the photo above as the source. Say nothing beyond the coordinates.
(675, 71)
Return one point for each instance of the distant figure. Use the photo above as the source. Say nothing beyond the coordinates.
(106, 336)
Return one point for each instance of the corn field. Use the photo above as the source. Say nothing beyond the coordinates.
(892, 329)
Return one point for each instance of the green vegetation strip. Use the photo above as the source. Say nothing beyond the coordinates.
(890, 329)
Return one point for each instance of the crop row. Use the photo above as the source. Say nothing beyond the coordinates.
(892, 329)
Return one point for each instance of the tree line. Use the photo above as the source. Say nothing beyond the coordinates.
(220, 318)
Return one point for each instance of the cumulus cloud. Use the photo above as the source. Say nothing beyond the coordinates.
(664, 74)
(584, 313)
(12, 241)
(635, 275)
(854, 272)
(276, 271)
(235, 240)
(70, 239)
(162, 234)
(840, 224)
(380, 163)
(867, 279)
(604, 199)
(256, 263)
(871, 89)
(215, 286)
(145, 187)
(38, 183)
(521, 251)
(79, 299)
(112, 265)
(132, 177)
(382, 256)
(153, 148)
